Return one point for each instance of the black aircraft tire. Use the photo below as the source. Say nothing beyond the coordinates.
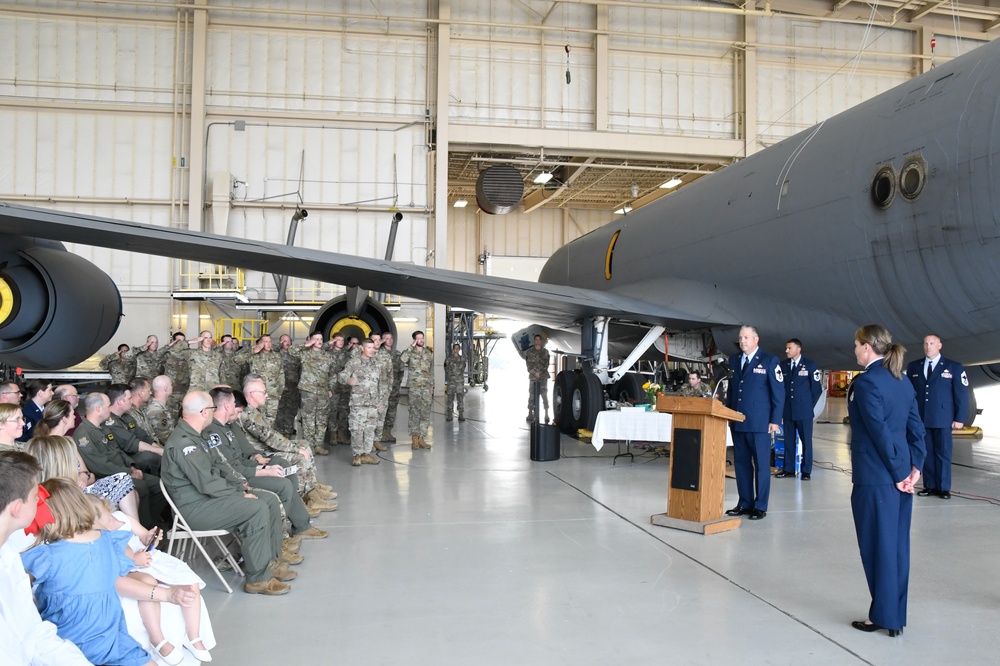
(562, 394)
(973, 408)
(587, 400)
(629, 388)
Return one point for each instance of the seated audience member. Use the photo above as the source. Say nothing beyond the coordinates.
(39, 393)
(78, 572)
(131, 438)
(167, 633)
(158, 415)
(68, 393)
(10, 393)
(11, 427)
(210, 497)
(104, 458)
(59, 458)
(24, 637)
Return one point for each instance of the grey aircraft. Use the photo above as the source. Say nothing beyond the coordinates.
(888, 212)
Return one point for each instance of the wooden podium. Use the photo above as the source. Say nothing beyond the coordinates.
(696, 487)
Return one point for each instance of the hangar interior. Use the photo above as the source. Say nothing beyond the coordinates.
(230, 116)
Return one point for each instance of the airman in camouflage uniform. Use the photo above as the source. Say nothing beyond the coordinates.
(336, 423)
(267, 362)
(146, 455)
(175, 366)
(454, 377)
(398, 370)
(158, 416)
(103, 457)
(316, 384)
(121, 364)
(288, 405)
(364, 375)
(210, 497)
(203, 362)
(266, 438)
(537, 360)
(384, 359)
(232, 362)
(149, 359)
(419, 361)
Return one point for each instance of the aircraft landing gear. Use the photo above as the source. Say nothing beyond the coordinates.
(629, 389)
(587, 400)
(562, 391)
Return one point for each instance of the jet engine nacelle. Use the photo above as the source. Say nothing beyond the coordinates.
(56, 309)
(339, 316)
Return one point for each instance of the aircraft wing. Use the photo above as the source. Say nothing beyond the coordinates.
(554, 305)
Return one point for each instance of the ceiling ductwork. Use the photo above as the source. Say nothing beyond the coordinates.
(499, 189)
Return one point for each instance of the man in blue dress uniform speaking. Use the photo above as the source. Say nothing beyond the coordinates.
(943, 399)
(756, 391)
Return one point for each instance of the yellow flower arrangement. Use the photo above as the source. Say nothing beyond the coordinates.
(652, 390)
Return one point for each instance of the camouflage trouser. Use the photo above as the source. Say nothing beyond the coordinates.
(342, 408)
(382, 411)
(455, 393)
(307, 467)
(271, 407)
(175, 400)
(543, 388)
(312, 414)
(390, 412)
(288, 407)
(419, 398)
(362, 423)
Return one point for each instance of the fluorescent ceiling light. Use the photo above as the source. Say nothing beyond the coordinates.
(624, 209)
(405, 320)
(673, 182)
(543, 177)
(461, 203)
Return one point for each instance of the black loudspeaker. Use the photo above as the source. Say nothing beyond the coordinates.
(544, 442)
(499, 189)
(685, 459)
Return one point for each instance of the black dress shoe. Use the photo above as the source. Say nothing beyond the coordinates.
(806, 476)
(784, 475)
(757, 514)
(737, 511)
(868, 627)
(945, 494)
(924, 492)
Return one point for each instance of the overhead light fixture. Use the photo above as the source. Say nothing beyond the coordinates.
(405, 320)
(543, 178)
(672, 183)
(461, 203)
(624, 209)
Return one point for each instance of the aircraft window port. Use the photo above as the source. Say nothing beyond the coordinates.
(611, 252)
(884, 187)
(912, 178)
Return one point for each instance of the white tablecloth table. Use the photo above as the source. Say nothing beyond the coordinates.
(631, 425)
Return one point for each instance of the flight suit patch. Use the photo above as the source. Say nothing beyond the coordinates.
(188, 449)
(214, 440)
(84, 442)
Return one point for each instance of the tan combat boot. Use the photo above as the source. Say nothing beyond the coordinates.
(282, 572)
(422, 443)
(447, 417)
(387, 436)
(415, 442)
(291, 545)
(325, 486)
(321, 450)
(378, 447)
(270, 587)
(368, 459)
(461, 416)
(289, 558)
(356, 461)
(313, 513)
(343, 437)
(312, 533)
(314, 501)
(323, 494)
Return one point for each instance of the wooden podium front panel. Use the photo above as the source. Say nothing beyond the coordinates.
(705, 503)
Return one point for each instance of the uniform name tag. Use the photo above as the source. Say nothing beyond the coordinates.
(803, 373)
(946, 374)
(760, 371)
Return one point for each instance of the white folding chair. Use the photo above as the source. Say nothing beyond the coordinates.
(180, 530)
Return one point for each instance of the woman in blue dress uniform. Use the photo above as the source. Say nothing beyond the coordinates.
(887, 453)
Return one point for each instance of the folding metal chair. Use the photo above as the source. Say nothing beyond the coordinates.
(180, 530)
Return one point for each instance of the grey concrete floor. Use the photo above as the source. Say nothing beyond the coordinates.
(472, 554)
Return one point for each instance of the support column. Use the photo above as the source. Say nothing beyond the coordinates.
(440, 230)
(749, 110)
(196, 149)
(602, 69)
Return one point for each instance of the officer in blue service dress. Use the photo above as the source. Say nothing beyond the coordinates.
(943, 400)
(887, 452)
(803, 388)
(756, 391)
